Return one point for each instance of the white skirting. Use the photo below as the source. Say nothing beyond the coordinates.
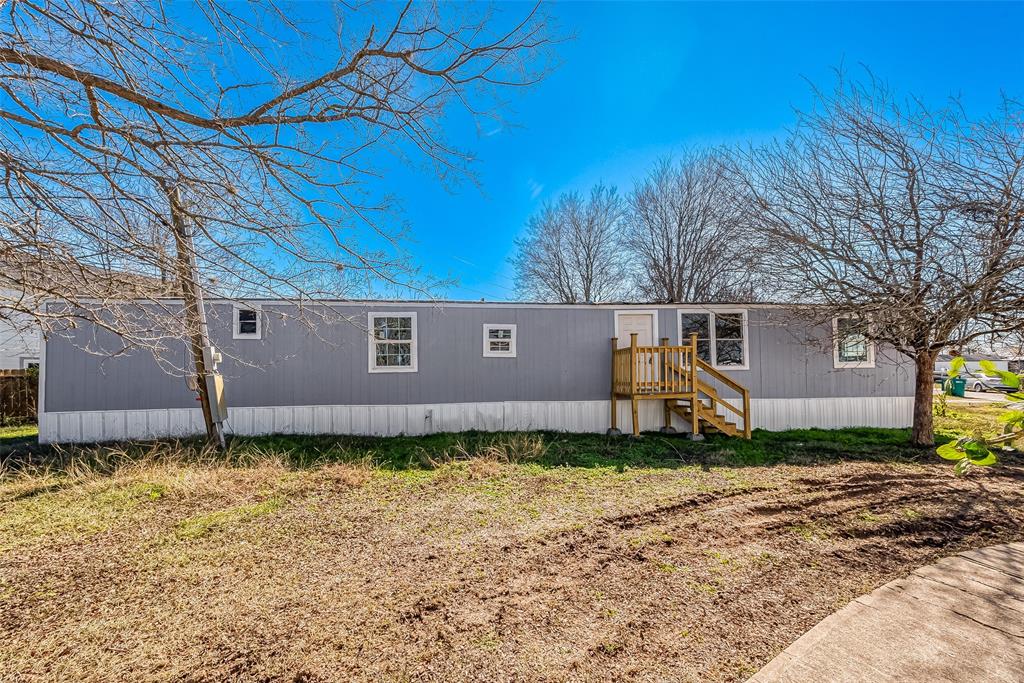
(566, 416)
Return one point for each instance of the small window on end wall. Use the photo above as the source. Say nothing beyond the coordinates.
(852, 347)
(393, 343)
(247, 322)
(499, 341)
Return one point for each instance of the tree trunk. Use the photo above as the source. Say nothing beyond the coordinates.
(923, 433)
(186, 273)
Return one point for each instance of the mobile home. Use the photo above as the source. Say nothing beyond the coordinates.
(414, 367)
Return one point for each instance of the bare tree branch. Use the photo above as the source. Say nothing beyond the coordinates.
(278, 131)
(570, 252)
(683, 234)
(908, 218)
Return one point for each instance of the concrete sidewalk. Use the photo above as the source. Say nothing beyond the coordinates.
(961, 619)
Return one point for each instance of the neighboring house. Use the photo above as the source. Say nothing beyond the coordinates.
(972, 362)
(1012, 356)
(19, 339)
(976, 378)
(20, 331)
(455, 366)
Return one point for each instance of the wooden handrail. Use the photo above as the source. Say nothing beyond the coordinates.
(614, 429)
(744, 393)
(719, 375)
(704, 388)
(672, 373)
(632, 365)
(649, 370)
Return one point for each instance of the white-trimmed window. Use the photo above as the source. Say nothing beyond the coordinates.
(852, 348)
(722, 337)
(247, 322)
(699, 323)
(499, 341)
(393, 343)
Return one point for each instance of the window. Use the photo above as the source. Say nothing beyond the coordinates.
(499, 341)
(392, 342)
(29, 363)
(699, 324)
(852, 347)
(721, 336)
(729, 339)
(248, 322)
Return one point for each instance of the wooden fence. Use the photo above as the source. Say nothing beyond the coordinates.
(19, 394)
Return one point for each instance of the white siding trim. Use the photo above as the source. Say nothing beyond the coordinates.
(439, 303)
(778, 414)
(41, 391)
(383, 420)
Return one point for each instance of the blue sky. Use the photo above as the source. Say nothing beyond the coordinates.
(642, 80)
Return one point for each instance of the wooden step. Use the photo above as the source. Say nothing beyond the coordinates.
(706, 417)
(709, 419)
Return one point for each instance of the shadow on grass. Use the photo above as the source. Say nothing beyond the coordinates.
(18, 437)
(544, 449)
(557, 449)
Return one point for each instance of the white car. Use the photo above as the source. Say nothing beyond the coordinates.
(979, 382)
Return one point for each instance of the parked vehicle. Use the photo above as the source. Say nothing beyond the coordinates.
(975, 381)
(978, 382)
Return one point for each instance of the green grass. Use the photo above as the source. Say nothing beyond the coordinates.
(544, 450)
(375, 539)
(555, 449)
(22, 432)
(486, 470)
(74, 513)
(200, 525)
(19, 450)
(17, 438)
(552, 449)
(959, 419)
(79, 491)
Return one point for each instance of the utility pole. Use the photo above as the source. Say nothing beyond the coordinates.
(209, 385)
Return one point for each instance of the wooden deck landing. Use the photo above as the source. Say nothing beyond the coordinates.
(689, 386)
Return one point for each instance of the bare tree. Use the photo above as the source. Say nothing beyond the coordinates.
(907, 219)
(262, 135)
(683, 233)
(570, 253)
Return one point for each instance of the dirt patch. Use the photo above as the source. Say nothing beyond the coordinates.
(495, 573)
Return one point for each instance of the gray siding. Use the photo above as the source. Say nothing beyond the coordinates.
(563, 355)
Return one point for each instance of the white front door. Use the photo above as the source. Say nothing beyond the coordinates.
(640, 323)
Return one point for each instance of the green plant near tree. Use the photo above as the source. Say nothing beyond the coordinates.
(976, 450)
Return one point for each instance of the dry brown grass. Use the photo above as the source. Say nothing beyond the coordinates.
(489, 566)
(514, 448)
